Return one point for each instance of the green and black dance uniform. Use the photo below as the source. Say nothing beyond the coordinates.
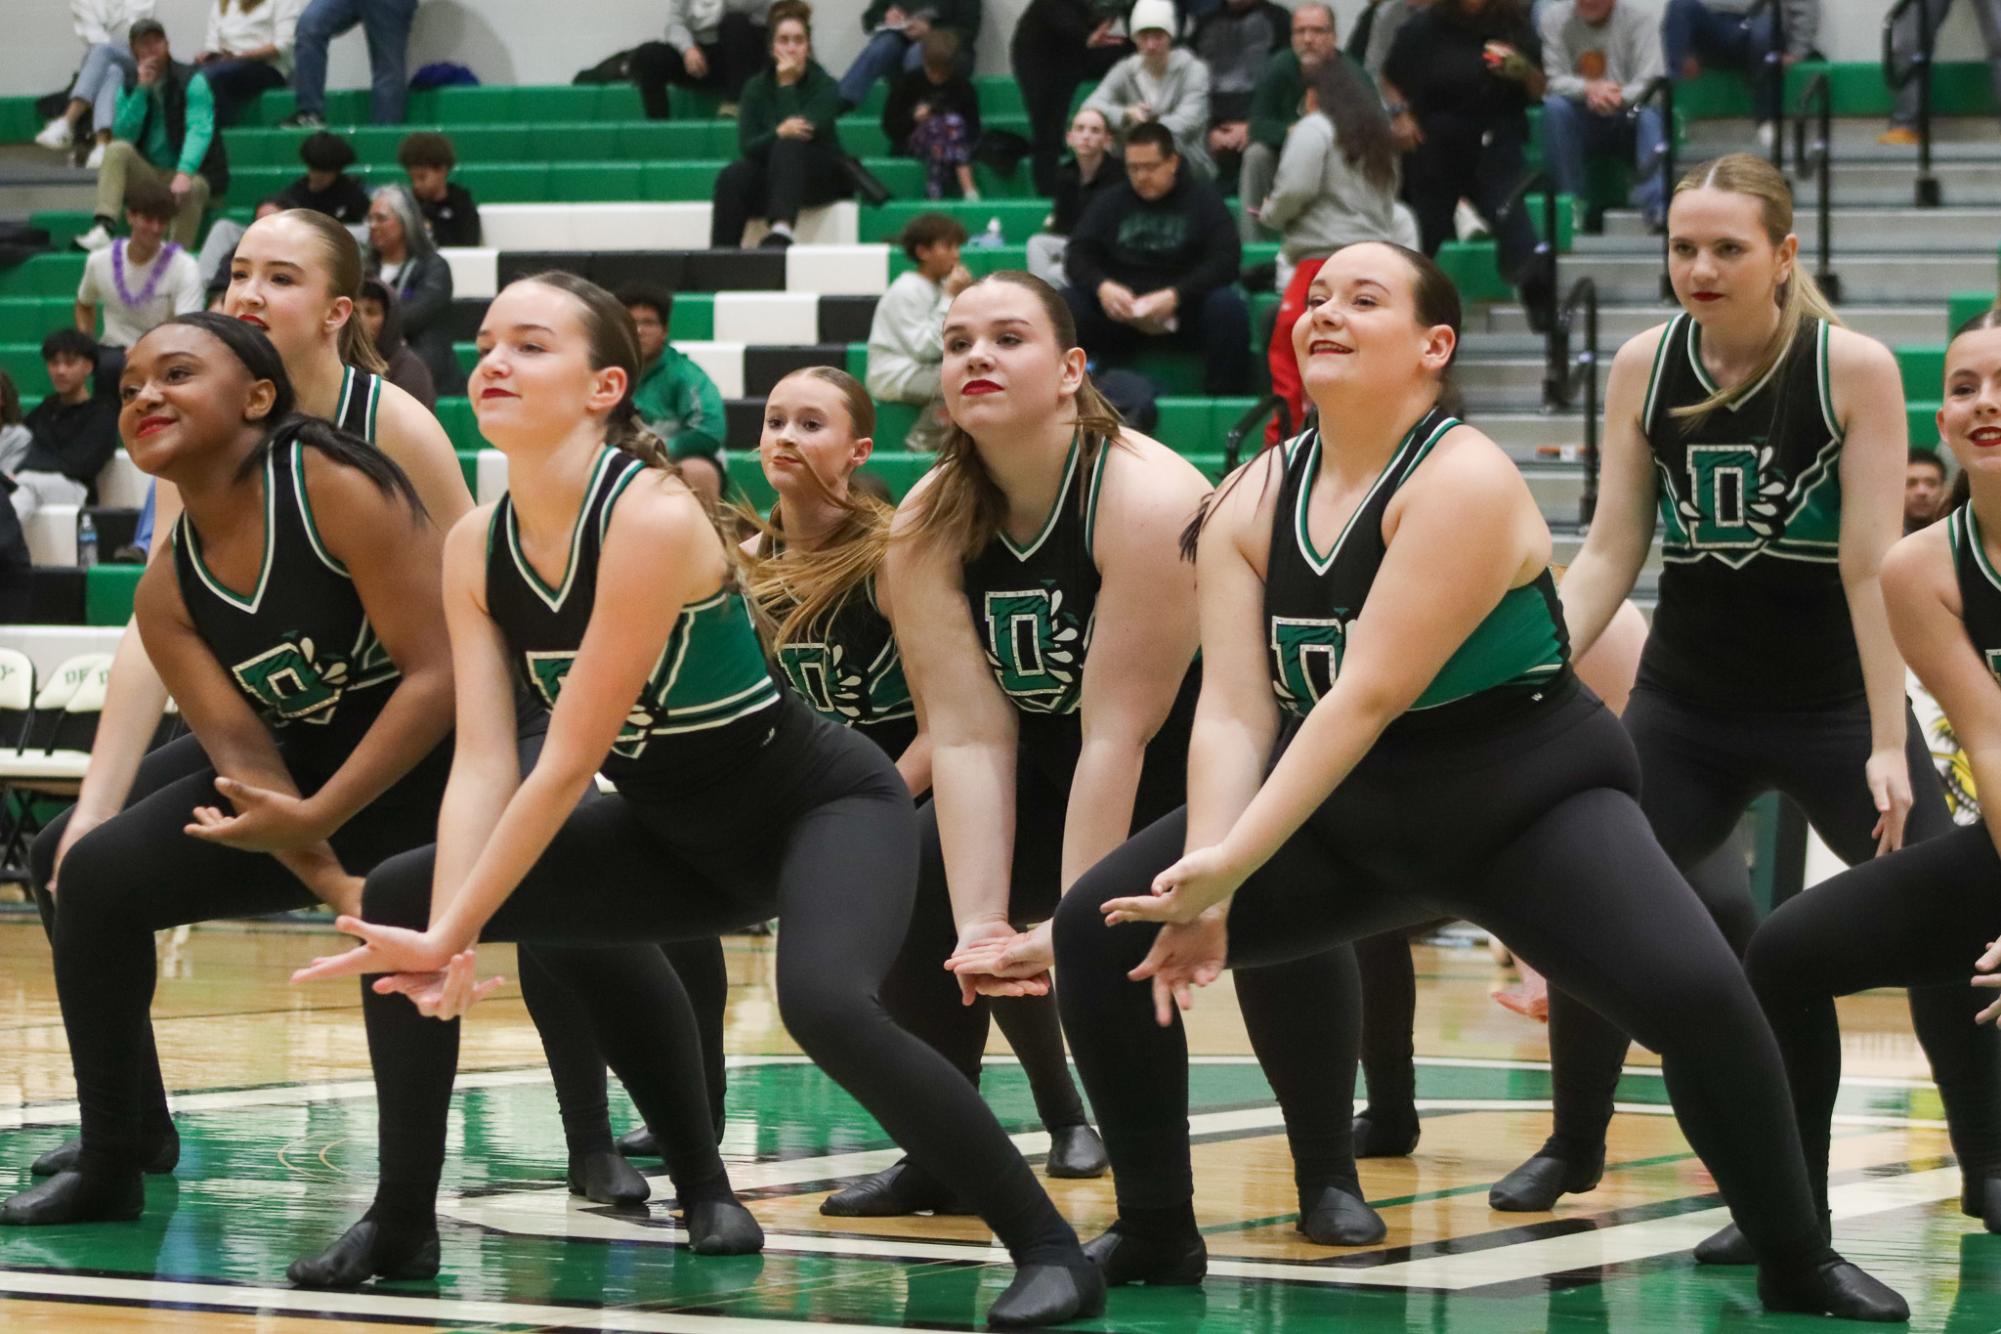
(1751, 682)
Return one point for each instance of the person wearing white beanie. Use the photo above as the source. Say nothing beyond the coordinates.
(1159, 82)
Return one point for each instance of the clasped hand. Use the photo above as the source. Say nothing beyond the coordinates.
(441, 981)
(994, 959)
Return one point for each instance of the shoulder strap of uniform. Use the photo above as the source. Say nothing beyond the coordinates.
(1670, 339)
(1105, 448)
(295, 464)
(1428, 432)
(1824, 379)
(618, 478)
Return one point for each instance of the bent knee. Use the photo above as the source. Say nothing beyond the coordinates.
(398, 891)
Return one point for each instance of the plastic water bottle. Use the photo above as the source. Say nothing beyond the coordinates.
(991, 238)
(86, 540)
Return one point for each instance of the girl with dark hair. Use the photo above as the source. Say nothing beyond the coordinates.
(789, 149)
(1049, 633)
(601, 583)
(1771, 664)
(1926, 916)
(294, 278)
(1386, 584)
(297, 623)
(1336, 183)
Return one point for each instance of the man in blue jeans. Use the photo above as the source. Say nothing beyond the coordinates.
(1599, 56)
(1716, 32)
(386, 23)
(896, 31)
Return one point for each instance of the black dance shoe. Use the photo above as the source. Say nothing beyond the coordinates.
(1727, 1247)
(72, 1197)
(1048, 1295)
(1388, 1132)
(723, 1227)
(639, 1143)
(1334, 1217)
(161, 1155)
(1161, 1263)
(902, 1188)
(1830, 1287)
(604, 1177)
(1076, 1154)
(1539, 1183)
(1981, 1198)
(369, 1250)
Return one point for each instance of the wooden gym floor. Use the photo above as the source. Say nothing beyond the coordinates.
(276, 1111)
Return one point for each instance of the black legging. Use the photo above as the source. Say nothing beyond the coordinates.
(138, 873)
(816, 829)
(793, 174)
(1529, 827)
(1700, 770)
(1465, 157)
(1049, 61)
(737, 53)
(1918, 919)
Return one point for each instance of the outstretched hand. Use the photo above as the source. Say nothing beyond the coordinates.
(438, 980)
(993, 959)
(1184, 956)
(1986, 976)
(1184, 891)
(265, 821)
(441, 995)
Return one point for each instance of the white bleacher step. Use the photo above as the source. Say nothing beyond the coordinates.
(121, 485)
(838, 270)
(475, 271)
(721, 362)
(492, 477)
(1857, 228)
(642, 226)
(1954, 138)
(51, 532)
(1633, 276)
(768, 319)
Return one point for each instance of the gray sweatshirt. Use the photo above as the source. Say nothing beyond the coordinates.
(904, 346)
(1179, 98)
(697, 22)
(1629, 40)
(1320, 200)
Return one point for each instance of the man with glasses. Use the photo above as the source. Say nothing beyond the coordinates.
(1276, 103)
(1154, 262)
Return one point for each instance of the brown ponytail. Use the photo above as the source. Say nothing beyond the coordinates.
(1799, 297)
(964, 505)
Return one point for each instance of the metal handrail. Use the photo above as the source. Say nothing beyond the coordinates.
(1584, 294)
(1775, 69)
(1662, 89)
(1920, 69)
(1233, 443)
(1820, 160)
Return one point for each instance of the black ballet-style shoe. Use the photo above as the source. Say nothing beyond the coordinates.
(723, 1227)
(1076, 1154)
(1390, 1132)
(900, 1189)
(604, 1177)
(1981, 1198)
(161, 1155)
(1539, 1183)
(1160, 1263)
(72, 1197)
(1336, 1217)
(1048, 1294)
(369, 1250)
(1831, 1286)
(1726, 1247)
(640, 1143)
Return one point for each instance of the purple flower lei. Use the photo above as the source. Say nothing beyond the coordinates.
(160, 263)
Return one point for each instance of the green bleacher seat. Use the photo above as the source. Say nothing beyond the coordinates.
(1475, 269)
(107, 593)
(1963, 306)
(1921, 420)
(1923, 368)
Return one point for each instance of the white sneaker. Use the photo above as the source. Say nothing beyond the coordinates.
(96, 158)
(1767, 132)
(57, 134)
(94, 239)
(1468, 223)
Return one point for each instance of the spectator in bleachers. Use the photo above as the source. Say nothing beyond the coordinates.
(1236, 40)
(380, 316)
(219, 245)
(326, 187)
(1089, 171)
(1277, 102)
(1697, 33)
(427, 159)
(1387, 20)
(1599, 57)
(166, 132)
(1336, 184)
(1155, 261)
(1057, 45)
(933, 115)
(386, 25)
(905, 343)
(106, 71)
(1460, 79)
(791, 153)
(675, 398)
(15, 437)
(895, 30)
(139, 281)
(1904, 112)
(74, 431)
(714, 45)
(17, 571)
(401, 254)
(1160, 83)
(1925, 488)
(247, 51)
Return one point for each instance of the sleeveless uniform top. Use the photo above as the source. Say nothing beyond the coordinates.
(709, 696)
(1311, 598)
(1979, 586)
(297, 645)
(1752, 614)
(355, 408)
(850, 672)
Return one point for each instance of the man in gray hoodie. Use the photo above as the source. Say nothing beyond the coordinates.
(1159, 82)
(1599, 56)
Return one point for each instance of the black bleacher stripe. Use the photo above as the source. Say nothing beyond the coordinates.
(56, 597)
(764, 367)
(846, 319)
(466, 313)
(744, 419)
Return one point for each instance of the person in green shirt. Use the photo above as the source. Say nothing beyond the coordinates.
(164, 131)
(675, 398)
(1275, 104)
(785, 131)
